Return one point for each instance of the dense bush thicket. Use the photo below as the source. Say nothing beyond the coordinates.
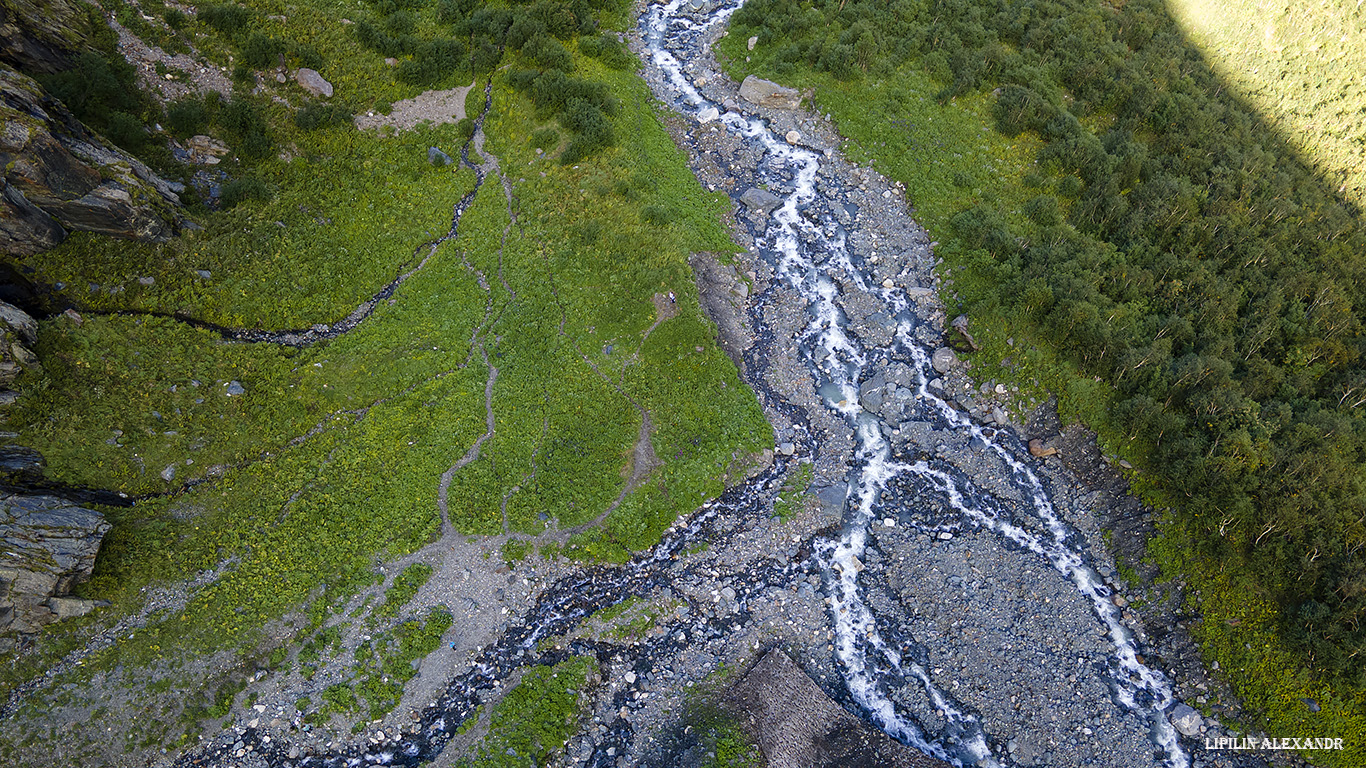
(537, 33)
(1178, 250)
(102, 92)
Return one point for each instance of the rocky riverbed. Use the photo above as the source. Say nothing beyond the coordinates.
(902, 545)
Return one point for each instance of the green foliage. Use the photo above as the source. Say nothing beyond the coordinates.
(190, 115)
(261, 51)
(434, 61)
(228, 19)
(405, 585)
(516, 550)
(331, 459)
(545, 138)
(239, 191)
(532, 723)
(314, 116)
(97, 90)
(1183, 278)
(247, 129)
(607, 49)
(389, 660)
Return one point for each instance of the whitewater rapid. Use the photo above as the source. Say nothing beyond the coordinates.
(810, 257)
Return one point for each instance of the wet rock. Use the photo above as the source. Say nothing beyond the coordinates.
(760, 200)
(314, 83)
(708, 115)
(769, 94)
(943, 359)
(872, 393)
(49, 546)
(1041, 449)
(1186, 720)
(831, 497)
(796, 724)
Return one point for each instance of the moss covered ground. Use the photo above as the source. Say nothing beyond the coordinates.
(328, 460)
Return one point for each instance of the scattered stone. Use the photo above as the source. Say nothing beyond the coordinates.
(73, 316)
(168, 474)
(146, 280)
(760, 200)
(766, 93)
(1186, 720)
(1311, 704)
(787, 449)
(708, 115)
(753, 41)
(960, 324)
(1040, 449)
(71, 607)
(793, 137)
(314, 83)
(998, 415)
(235, 388)
(943, 359)
(205, 150)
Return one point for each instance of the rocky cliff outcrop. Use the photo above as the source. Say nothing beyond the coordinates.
(49, 546)
(42, 36)
(59, 176)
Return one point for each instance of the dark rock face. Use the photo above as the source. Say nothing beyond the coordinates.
(43, 35)
(49, 546)
(798, 726)
(58, 177)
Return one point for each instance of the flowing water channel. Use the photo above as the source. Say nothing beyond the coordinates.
(808, 249)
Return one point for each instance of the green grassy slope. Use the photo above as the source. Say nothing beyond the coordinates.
(330, 461)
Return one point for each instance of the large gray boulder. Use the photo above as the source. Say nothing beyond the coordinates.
(766, 93)
(49, 546)
(314, 83)
(58, 177)
(797, 726)
(1185, 719)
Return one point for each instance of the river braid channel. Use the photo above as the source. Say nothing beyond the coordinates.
(946, 586)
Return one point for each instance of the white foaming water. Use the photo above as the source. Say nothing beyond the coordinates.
(807, 258)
